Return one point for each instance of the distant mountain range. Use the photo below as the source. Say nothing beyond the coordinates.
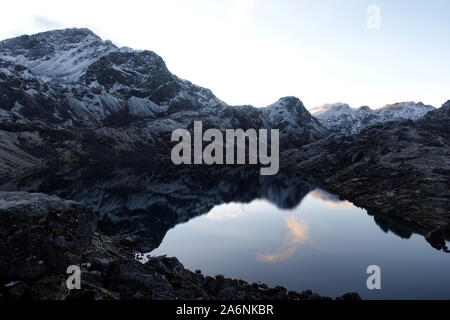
(341, 118)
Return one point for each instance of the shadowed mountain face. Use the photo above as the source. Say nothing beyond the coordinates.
(141, 203)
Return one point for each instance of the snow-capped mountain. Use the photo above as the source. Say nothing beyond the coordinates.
(72, 77)
(64, 54)
(82, 98)
(86, 81)
(341, 118)
(403, 110)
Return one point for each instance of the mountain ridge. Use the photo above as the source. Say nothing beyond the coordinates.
(67, 96)
(341, 118)
(68, 55)
(108, 74)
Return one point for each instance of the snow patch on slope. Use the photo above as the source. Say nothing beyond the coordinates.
(63, 54)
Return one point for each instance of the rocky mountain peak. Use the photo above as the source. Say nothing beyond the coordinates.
(46, 43)
(294, 121)
(411, 108)
(337, 107)
(290, 100)
(61, 55)
(70, 35)
(292, 105)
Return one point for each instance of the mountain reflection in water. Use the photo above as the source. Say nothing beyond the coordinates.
(278, 229)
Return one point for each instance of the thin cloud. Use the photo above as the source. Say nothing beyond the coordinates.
(330, 199)
(297, 234)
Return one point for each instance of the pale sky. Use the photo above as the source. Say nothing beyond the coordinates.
(256, 51)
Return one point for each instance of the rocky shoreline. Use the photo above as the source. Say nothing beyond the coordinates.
(42, 235)
(400, 170)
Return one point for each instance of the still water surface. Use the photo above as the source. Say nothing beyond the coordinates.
(323, 244)
(278, 230)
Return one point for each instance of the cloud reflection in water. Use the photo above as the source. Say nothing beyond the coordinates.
(297, 234)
